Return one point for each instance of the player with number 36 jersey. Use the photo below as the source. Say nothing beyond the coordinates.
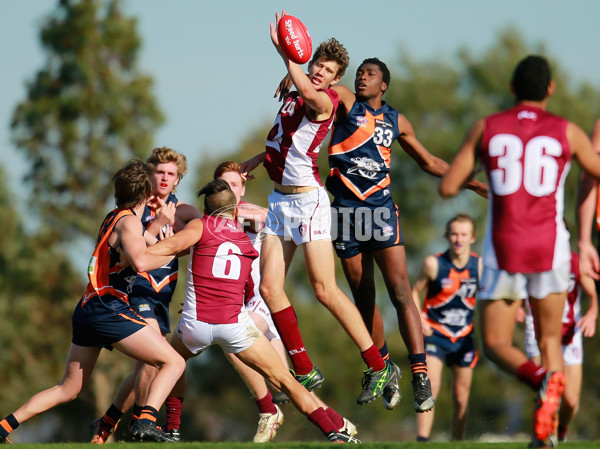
(527, 156)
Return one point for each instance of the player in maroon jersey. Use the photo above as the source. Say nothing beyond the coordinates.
(526, 152)
(300, 216)
(103, 317)
(213, 313)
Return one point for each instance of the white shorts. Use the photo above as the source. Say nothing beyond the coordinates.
(300, 217)
(257, 305)
(572, 353)
(233, 338)
(500, 284)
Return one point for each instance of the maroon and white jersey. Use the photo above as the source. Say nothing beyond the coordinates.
(294, 142)
(572, 311)
(527, 156)
(218, 270)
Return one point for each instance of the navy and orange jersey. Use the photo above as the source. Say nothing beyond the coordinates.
(107, 281)
(157, 285)
(450, 297)
(360, 155)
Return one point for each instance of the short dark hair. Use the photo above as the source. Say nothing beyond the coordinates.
(531, 78)
(384, 69)
(218, 197)
(132, 184)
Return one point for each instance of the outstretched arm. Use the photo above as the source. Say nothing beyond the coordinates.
(427, 161)
(462, 166)
(133, 245)
(181, 241)
(316, 100)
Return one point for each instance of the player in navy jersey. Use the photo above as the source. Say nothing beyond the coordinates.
(152, 291)
(299, 215)
(103, 317)
(526, 152)
(575, 326)
(368, 229)
(450, 280)
(214, 313)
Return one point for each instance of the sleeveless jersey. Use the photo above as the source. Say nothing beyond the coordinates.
(450, 297)
(527, 156)
(106, 281)
(157, 284)
(294, 142)
(218, 270)
(360, 155)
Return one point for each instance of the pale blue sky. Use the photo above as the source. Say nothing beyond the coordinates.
(215, 69)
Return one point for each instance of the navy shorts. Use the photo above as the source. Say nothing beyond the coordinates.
(359, 230)
(108, 330)
(153, 308)
(461, 353)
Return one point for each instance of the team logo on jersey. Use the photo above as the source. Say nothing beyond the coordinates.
(362, 121)
(340, 245)
(446, 282)
(387, 231)
(365, 167)
(130, 281)
(530, 115)
(383, 124)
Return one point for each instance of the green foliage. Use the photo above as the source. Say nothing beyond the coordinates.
(87, 111)
(38, 290)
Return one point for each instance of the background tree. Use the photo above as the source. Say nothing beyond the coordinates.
(86, 112)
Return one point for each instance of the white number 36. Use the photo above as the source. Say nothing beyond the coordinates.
(538, 172)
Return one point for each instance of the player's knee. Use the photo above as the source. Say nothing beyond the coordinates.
(402, 298)
(267, 292)
(570, 402)
(324, 292)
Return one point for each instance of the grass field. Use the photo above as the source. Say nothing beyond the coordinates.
(366, 445)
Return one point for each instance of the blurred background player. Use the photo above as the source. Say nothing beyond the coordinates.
(103, 317)
(299, 215)
(532, 259)
(574, 326)
(450, 281)
(214, 313)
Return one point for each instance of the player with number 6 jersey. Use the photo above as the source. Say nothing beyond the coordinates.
(214, 311)
(526, 153)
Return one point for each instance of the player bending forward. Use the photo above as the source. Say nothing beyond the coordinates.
(214, 313)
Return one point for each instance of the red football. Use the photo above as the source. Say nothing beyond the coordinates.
(294, 39)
